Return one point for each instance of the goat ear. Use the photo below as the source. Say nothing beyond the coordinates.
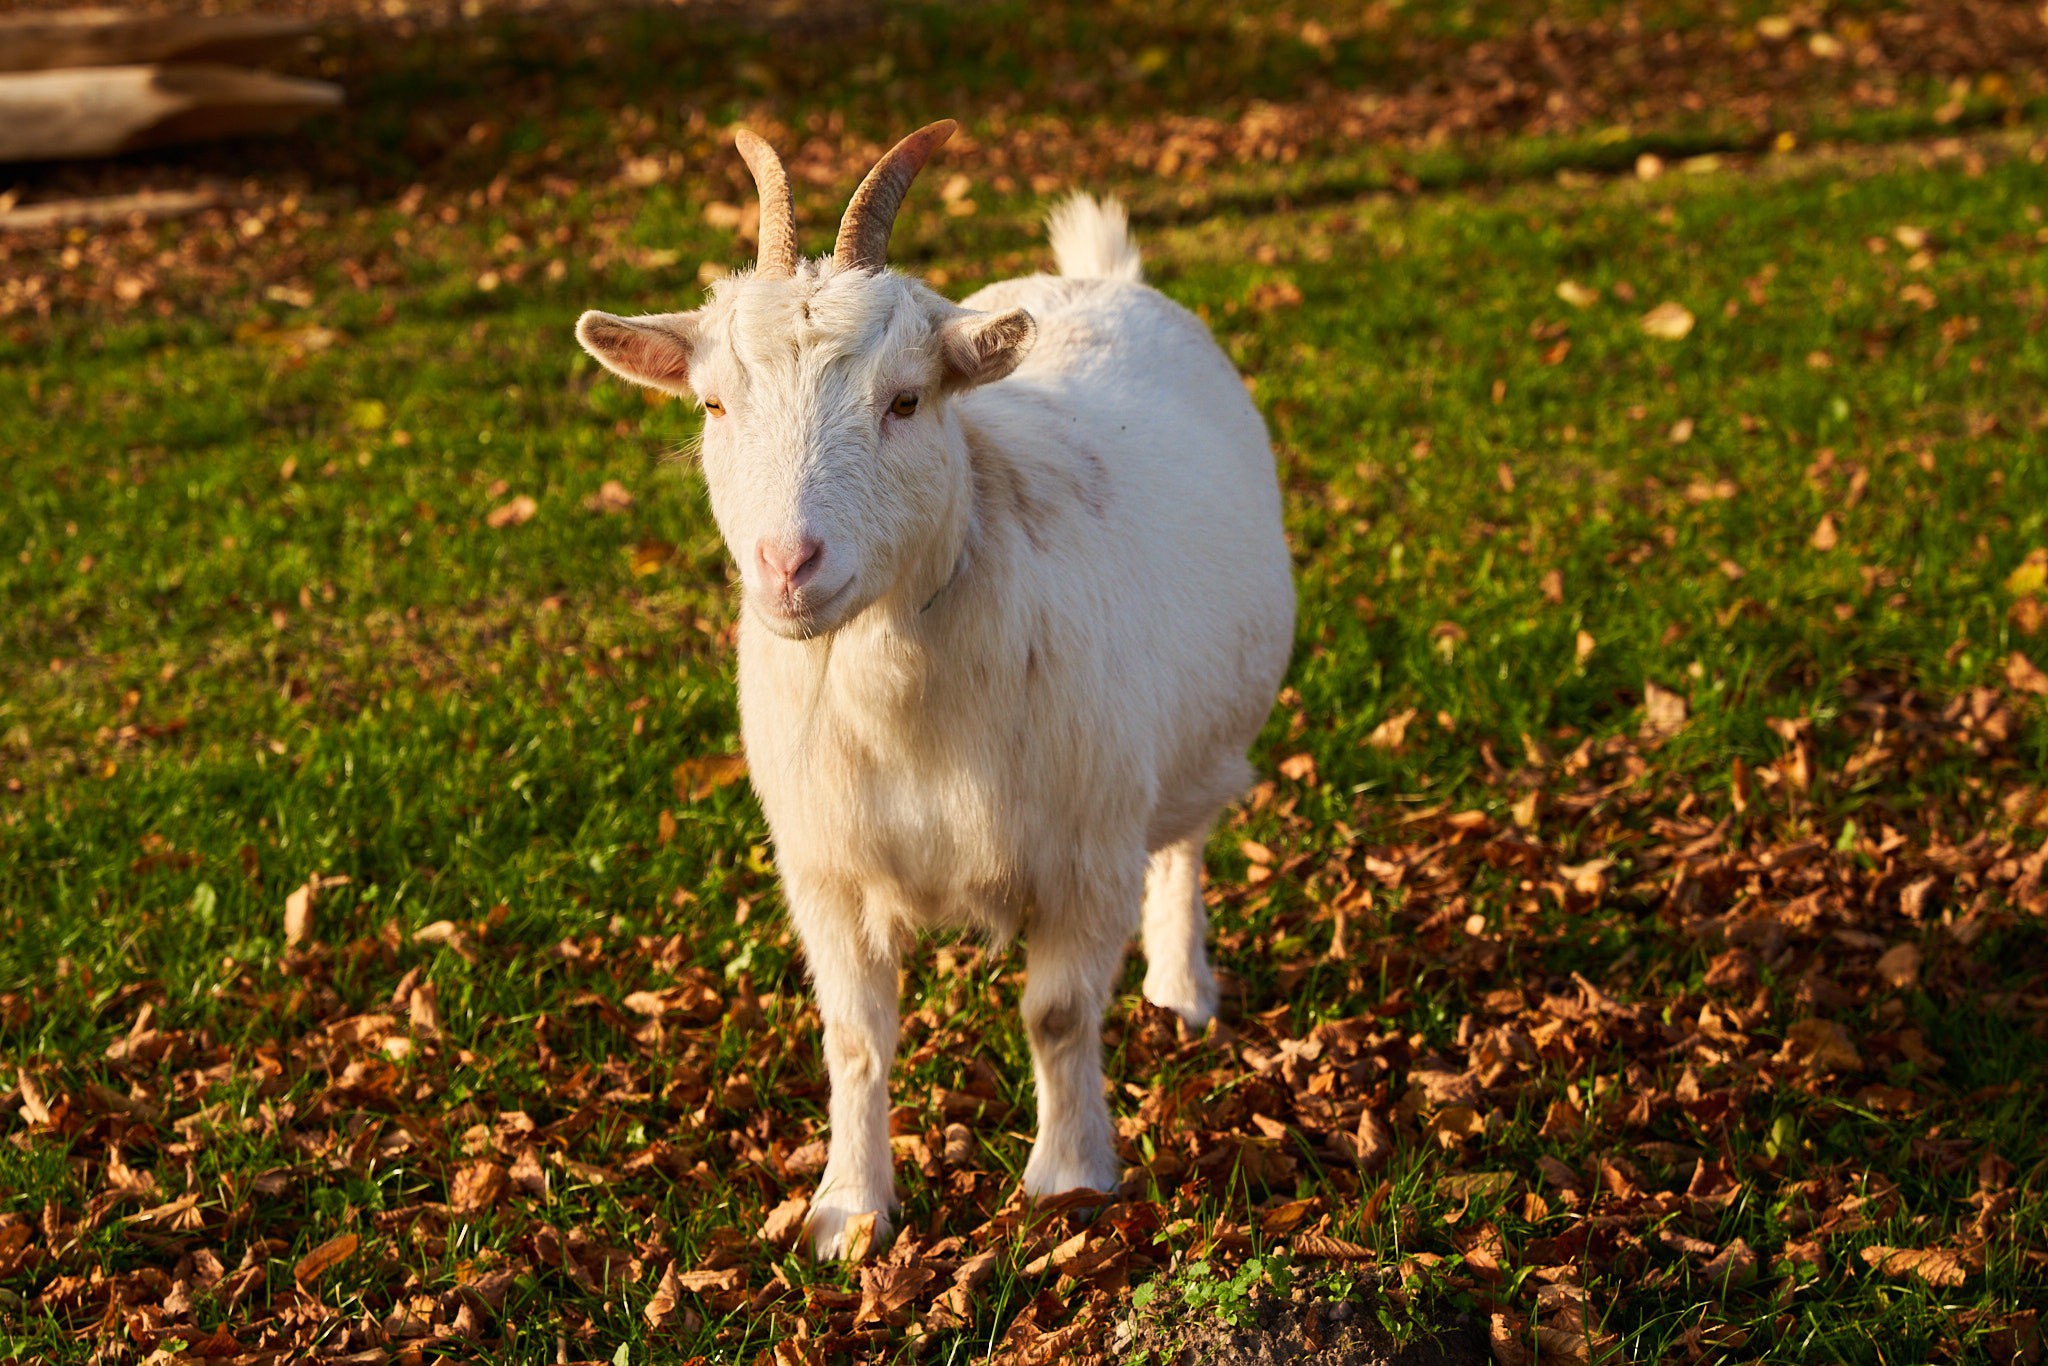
(980, 348)
(653, 350)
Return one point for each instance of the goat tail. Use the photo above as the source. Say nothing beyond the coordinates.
(1091, 240)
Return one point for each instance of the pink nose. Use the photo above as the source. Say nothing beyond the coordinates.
(789, 567)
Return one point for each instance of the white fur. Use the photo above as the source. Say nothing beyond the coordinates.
(1091, 240)
(1047, 621)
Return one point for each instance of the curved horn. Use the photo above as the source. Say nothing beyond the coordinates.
(778, 207)
(864, 232)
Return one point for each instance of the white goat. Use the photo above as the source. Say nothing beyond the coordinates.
(1004, 645)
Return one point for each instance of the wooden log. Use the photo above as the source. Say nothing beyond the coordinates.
(104, 110)
(145, 206)
(105, 37)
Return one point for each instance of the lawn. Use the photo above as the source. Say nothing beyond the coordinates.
(1634, 948)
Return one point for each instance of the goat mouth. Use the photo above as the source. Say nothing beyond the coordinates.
(806, 616)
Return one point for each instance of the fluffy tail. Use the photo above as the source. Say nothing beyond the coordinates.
(1091, 240)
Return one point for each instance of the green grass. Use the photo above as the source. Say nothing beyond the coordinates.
(257, 628)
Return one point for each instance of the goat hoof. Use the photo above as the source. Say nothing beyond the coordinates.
(1046, 1175)
(1192, 996)
(847, 1231)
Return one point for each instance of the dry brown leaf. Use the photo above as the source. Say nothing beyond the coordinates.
(1563, 1345)
(1563, 1122)
(1664, 712)
(516, 511)
(611, 497)
(1732, 1268)
(1668, 321)
(1826, 536)
(1576, 294)
(34, 1108)
(1936, 1266)
(423, 1009)
(1287, 1216)
(1322, 1247)
(1583, 646)
(661, 1307)
(650, 555)
(860, 1237)
(1899, 966)
(1375, 1139)
(2023, 675)
(699, 778)
(709, 1280)
(1454, 1124)
(1823, 1045)
(785, 1223)
(1391, 733)
(325, 1258)
(1059, 1256)
(298, 913)
(1300, 768)
(1510, 1339)
(478, 1186)
(886, 1291)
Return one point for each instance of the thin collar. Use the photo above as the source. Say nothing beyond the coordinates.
(958, 565)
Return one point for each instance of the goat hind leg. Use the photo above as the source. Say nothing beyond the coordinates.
(1176, 930)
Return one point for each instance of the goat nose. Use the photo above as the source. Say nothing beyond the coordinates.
(789, 565)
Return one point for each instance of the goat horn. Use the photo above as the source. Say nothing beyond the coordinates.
(778, 207)
(864, 232)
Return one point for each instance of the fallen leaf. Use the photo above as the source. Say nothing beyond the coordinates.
(1899, 966)
(1732, 1268)
(1668, 321)
(1826, 536)
(1664, 712)
(477, 1187)
(1583, 646)
(517, 511)
(860, 1237)
(1391, 733)
(1375, 1139)
(1454, 1124)
(325, 1258)
(1935, 1266)
(1823, 1045)
(2023, 675)
(611, 497)
(785, 1223)
(662, 1306)
(886, 1291)
(2031, 576)
(711, 1280)
(650, 555)
(1300, 768)
(1576, 294)
(1563, 1345)
(1287, 1216)
(699, 778)
(1322, 1247)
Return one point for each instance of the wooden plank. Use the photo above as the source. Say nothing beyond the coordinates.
(104, 37)
(113, 208)
(101, 111)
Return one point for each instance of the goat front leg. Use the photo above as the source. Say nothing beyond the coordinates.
(857, 1001)
(1070, 969)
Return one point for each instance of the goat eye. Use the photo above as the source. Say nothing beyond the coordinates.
(714, 407)
(905, 405)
